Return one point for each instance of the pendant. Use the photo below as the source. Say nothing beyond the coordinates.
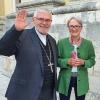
(51, 66)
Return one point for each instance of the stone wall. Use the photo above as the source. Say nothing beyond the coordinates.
(2, 25)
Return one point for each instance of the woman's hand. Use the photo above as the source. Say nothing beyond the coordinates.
(75, 62)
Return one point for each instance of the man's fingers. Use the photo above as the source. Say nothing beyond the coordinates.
(21, 15)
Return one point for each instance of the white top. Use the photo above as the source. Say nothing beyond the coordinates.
(74, 68)
(41, 36)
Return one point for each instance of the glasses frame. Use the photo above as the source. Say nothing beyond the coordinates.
(74, 26)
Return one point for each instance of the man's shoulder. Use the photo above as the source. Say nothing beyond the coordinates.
(29, 30)
(51, 37)
(26, 33)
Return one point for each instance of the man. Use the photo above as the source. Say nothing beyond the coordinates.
(35, 51)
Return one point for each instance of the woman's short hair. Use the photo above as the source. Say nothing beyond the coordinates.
(75, 18)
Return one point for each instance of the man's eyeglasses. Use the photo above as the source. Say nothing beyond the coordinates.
(42, 20)
(74, 26)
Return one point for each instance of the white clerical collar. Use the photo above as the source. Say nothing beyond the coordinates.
(42, 37)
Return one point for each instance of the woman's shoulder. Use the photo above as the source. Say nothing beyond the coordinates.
(87, 41)
(63, 39)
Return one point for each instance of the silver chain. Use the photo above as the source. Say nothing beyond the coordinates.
(49, 59)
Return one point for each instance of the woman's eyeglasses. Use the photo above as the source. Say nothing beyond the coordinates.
(74, 26)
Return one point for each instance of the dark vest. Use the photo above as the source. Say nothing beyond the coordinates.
(49, 81)
(48, 75)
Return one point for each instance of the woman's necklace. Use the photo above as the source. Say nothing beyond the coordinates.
(78, 42)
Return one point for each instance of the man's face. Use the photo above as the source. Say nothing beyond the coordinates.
(42, 22)
(74, 28)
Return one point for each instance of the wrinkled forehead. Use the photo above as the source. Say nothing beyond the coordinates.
(74, 21)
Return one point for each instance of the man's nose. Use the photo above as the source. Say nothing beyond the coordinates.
(44, 22)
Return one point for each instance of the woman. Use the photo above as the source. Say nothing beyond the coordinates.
(76, 55)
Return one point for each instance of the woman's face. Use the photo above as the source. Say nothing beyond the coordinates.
(74, 28)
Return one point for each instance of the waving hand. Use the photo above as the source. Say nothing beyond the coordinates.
(20, 21)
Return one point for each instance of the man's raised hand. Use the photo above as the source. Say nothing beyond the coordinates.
(20, 21)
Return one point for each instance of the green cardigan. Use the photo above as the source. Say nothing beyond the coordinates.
(86, 52)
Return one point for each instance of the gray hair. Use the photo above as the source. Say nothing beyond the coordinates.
(75, 18)
(41, 10)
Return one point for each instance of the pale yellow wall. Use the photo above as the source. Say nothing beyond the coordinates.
(67, 1)
(1, 7)
(7, 7)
